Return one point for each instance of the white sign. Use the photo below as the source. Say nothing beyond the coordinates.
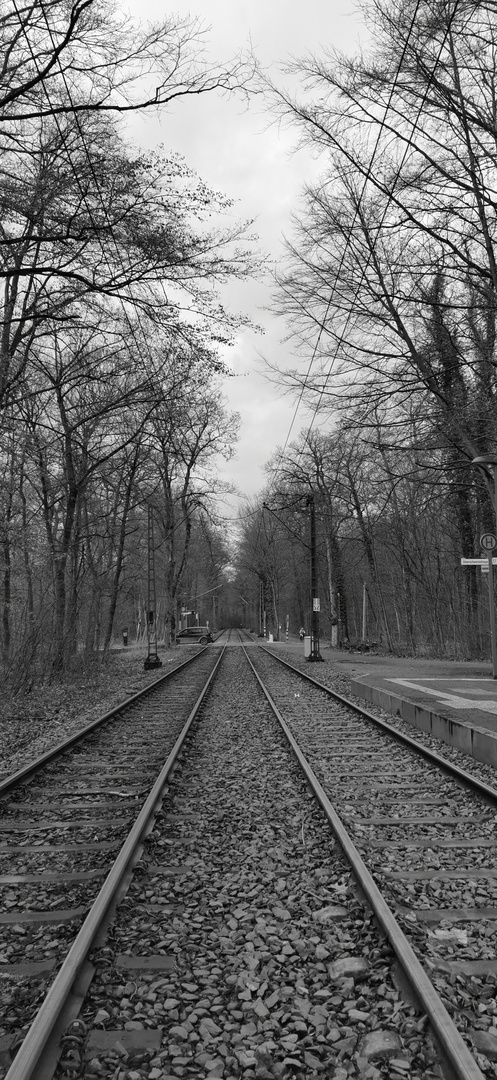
(477, 562)
(488, 541)
(316, 606)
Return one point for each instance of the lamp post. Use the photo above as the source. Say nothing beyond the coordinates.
(488, 543)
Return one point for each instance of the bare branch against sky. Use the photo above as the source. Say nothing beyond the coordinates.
(237, 148)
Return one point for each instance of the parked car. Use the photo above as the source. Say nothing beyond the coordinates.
(200, 635)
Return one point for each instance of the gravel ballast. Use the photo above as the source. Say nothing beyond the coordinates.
(79, 808)
(430, 843)
(278, 968)
(331, 677)
(31, 723)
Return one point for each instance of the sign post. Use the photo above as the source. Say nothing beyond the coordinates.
(488, 543)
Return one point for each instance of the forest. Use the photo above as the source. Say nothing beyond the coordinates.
(115, 339)
(112, 334)
(389, 295)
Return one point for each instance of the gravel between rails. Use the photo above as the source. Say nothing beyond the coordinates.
(280, 971)
(340, 682)
(31, 723)
(90, 795)
(470, 999)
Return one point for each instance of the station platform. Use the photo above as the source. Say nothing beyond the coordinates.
(453, 701)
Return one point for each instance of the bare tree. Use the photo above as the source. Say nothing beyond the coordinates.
(64, 57)
(392, 273)
(84, 222)
(189, 429)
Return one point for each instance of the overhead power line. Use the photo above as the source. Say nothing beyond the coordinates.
(366, 180)
(332, 293)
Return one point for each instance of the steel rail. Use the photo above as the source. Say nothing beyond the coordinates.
(449, 1038)
(449, 767)
(49, 1022)
(59, 748)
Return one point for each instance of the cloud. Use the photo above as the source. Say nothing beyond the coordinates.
(234, 150)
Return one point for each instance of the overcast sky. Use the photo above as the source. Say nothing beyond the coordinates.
(236, 150)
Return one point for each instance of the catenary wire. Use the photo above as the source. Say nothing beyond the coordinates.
(379, 225)
(332, 292)
(347, 242)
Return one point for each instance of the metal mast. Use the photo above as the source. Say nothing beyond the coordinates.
(315, 605)
(152, 660)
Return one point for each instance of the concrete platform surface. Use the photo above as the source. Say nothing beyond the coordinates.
(467, 699)
(454, 702)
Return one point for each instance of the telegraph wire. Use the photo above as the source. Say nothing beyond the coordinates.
(379, 225)
(283, 523)
(342, 259)
(366, 180)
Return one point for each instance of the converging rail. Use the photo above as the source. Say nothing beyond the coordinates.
(432, 807)
(230, 929)
(90, 789)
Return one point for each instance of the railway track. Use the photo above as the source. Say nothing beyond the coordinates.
(424, 828)
(64, 818)
(230, 954)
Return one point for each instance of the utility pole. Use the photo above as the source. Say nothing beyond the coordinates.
(314, 654)
(262, 611)
(152, 660)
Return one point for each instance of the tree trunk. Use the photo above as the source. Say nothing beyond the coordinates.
(367, 540)
(119, 555)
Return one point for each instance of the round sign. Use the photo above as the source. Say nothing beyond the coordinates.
(488, 541)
